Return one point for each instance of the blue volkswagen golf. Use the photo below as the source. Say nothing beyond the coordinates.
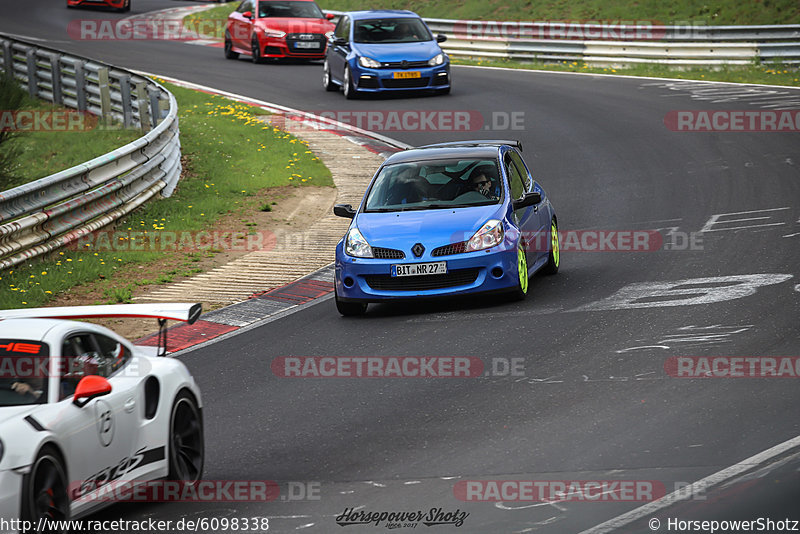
(446, 219)
(374, 51)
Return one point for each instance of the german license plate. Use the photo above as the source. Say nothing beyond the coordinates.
(406, 74)
(419, 269)
(303, 44)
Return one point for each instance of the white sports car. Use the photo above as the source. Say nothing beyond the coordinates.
(82, 408)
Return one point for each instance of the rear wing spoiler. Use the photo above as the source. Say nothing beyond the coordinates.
(177, 312)
(188, 313)
(476, 142)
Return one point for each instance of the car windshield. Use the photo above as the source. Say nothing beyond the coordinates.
(24, 368)
(289, 9)
(438, 184)
(402, 30)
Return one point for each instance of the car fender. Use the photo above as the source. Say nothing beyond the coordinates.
(25, 434)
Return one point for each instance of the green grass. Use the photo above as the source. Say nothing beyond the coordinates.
(42, 153)
(761, 74)
(228, 156)
(717, 12)
(211, 21)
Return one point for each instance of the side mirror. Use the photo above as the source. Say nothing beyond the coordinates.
(528, 200)
(90, 387)
(441, 38)
(340, 41)
(329, 16)
(248, 14)
(344, 210)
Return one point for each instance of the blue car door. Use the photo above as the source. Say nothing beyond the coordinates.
(528, 219)
(337, 54)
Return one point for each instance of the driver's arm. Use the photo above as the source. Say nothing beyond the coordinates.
(24, 388)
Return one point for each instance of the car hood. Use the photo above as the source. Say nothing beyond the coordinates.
(398, 51)
(296, 25)
(433, 228)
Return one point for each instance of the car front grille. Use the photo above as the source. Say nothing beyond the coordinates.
(387, 253)
(293, 38)
(458, 277)
(405, 83)
(447, 250)
(407, 65)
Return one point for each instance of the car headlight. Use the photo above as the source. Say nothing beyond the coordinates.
(436, 60)
(274, 33)
(369, 62)
(489, 235)
(329, 35)
(356, 245)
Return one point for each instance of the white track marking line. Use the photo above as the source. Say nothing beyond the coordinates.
(701, 485)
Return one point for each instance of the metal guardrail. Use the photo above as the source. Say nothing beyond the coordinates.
(46, 214)
(682, 45)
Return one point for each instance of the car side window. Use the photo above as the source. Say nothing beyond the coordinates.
(80, 356)
(515, 181)
(516, 160)
(247, 5)
(115, 353)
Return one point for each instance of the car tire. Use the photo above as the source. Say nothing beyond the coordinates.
(521, 289)
(350, 309)
(327, 80)
(44, 488)
(347, 85)
(228, 48)
(255, 50)
(554, 259)
(186, 448)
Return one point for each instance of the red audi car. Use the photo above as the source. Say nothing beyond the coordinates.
(117, 5)
(277, 29)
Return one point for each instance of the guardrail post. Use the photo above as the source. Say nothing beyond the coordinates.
(80, 85)
(30, 63)
(105, 95)
(8, 59)
(155, 110)
(127, 109)
(144, 111)
(55, 77)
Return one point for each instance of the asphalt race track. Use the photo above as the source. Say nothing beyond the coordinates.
(594, 401)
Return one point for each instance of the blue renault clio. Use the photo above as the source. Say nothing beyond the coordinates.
(446, 219)
(374, 51)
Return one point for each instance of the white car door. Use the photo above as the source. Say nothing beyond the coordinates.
(98, 436)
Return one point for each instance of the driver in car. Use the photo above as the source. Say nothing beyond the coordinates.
(481, 183)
